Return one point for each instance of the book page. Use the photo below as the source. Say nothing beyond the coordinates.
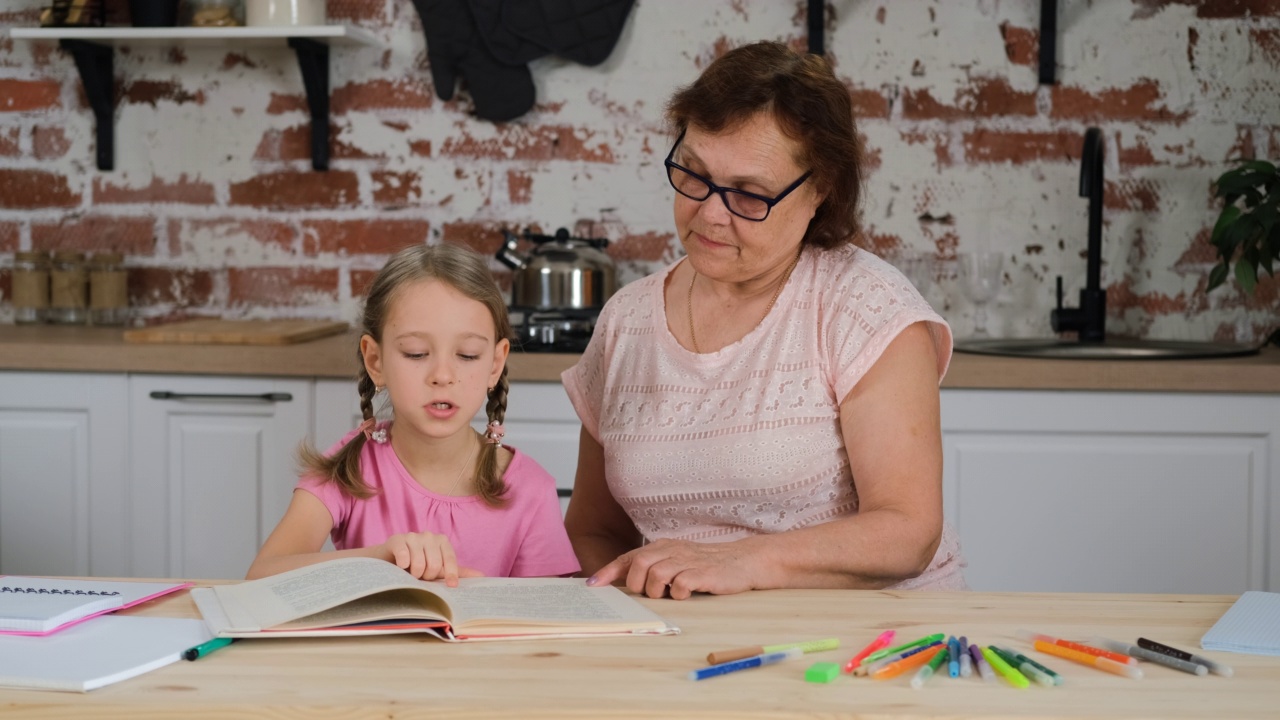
(506, 604)
(386, 605)
(270, 601)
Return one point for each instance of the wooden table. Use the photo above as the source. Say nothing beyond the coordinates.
(410, 676)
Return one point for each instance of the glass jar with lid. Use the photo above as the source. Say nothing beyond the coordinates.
(215, 13)
(30, 287)
(68, 286)
(108, 289)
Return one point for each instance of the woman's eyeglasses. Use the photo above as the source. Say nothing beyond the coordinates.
(746, 205)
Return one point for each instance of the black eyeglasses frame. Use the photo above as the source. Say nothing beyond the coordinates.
(713, 188)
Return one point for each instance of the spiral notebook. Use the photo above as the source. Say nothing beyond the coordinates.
(1251, 625)
(40, 606)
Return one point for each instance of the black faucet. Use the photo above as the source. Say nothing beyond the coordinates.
(1090, 319)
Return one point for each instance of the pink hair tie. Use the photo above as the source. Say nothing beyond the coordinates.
(367, 427)
(495, 433)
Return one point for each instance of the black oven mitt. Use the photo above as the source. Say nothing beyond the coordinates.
(501, 91)
(584, 31)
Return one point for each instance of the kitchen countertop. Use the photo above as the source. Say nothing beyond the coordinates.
(104, 350)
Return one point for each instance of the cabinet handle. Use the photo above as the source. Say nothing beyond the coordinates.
(564, 492)
(264, 397)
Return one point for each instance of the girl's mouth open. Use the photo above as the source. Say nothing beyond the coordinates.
(441, 409)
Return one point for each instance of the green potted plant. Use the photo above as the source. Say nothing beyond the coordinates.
(1250, 235)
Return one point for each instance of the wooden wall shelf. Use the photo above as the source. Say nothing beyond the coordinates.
(94, 51)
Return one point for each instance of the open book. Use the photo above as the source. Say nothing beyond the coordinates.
(364, 596)
(39, 605)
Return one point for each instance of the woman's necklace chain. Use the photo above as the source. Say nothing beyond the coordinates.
(693, 336)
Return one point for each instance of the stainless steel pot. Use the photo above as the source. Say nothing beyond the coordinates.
(562, 273)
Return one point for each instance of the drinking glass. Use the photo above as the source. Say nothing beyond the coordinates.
(981, 275)
(918, 268)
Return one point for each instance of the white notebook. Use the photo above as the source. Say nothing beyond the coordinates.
(102, 651)
(1251, 625)
(42, 605)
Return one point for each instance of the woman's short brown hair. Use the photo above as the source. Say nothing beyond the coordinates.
(811, 106)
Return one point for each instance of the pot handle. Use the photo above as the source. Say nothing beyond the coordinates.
(507, 253)
(562, 235)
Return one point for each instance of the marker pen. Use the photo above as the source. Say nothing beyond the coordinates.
(751, 662)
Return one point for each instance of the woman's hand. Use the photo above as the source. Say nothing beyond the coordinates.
(679, 568)
(428, 556)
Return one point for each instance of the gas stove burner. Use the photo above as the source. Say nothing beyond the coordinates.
(559, 331)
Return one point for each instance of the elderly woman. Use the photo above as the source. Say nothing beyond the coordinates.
(764, 412)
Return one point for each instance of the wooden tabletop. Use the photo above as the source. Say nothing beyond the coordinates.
(86, 349)
(411, 676)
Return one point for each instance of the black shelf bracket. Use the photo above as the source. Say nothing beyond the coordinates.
(817, 27)
(96, 63)
(313, 60)
(1048, 42)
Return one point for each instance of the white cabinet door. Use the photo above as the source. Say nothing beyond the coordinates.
(213, 469)
(540, 422)
(337, 411)
(1112, 492)
(63, 470)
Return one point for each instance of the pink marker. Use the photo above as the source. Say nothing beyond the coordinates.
(883, 641)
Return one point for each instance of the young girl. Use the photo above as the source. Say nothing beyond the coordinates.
(426, 491)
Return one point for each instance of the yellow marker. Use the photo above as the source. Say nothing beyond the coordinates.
(1014, 677)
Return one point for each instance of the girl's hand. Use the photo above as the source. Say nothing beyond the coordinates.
(428, 556)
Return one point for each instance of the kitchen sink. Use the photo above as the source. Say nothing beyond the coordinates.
(1110, 349)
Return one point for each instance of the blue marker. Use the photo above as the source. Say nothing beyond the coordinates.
(751, 662)
(953, 650)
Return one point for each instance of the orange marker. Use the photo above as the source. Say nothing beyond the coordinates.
(1084, 658)
(1079, 647)
(895, 669)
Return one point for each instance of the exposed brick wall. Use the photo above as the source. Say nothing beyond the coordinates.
(214, 201)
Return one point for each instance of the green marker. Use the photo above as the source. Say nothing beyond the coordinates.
(808, 647)
(926, 672)
(936, 637)
(1057, 679)
(1027, 669)
(1013, 677)
(205, 648)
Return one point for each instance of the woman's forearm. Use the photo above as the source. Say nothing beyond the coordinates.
(873, 549)
(594, 551)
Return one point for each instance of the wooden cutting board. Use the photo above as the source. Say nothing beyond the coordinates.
(236, 332)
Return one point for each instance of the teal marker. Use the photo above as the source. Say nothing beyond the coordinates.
(936, 637)
(205, 648)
